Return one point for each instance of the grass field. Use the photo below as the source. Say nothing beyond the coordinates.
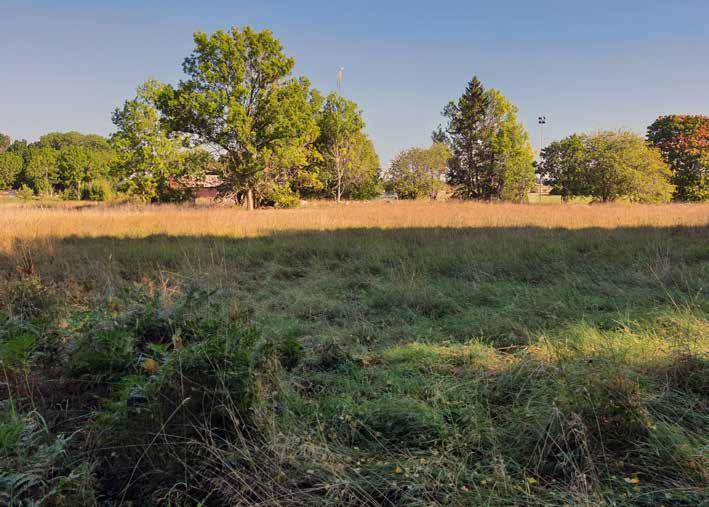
(363, 354)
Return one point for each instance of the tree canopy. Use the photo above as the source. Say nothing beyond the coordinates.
(606, 166)
(419, 173)
(240, 99)
(683, 141)
(349, 159)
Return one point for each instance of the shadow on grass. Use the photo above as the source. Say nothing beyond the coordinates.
(374, 285)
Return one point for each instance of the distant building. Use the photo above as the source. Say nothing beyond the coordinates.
(205, 188)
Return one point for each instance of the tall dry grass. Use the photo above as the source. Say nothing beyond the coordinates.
(34, 222)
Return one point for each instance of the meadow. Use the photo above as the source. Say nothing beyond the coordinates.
(372, 353)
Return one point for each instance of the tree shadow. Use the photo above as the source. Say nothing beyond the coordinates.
(371, 285)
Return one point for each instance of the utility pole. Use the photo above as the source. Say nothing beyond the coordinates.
(541, 120)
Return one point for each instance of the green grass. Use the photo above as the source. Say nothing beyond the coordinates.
(492, 366)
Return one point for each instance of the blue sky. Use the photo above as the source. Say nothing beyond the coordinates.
(67, 64)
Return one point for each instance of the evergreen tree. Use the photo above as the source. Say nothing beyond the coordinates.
(492, 156)
(469, 171)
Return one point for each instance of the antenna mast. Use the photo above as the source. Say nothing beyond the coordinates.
(340, 78)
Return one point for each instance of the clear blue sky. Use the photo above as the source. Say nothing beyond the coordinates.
(65, 65)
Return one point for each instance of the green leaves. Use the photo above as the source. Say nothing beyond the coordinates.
(683, 141)
(418, 173)
(238, 99)
(10, 168)
(607, 166)
(492, 156)
(149, 158)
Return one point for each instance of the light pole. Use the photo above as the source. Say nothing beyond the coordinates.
(541, 120)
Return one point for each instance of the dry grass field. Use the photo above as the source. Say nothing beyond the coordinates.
(382, 353)
(91, 220)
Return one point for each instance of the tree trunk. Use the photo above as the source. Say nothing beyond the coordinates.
(250, 199)
(339, 178)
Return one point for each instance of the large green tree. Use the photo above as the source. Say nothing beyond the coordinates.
(683, 141)
(239, 99)
(492, 155)
(419, 173)
(607, 166)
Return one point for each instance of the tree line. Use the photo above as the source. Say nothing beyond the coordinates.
(273, 139)
(483, 152)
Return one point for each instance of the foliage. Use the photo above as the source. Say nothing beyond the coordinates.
(239, 99)
(492, 156)
(25, 193)
(99, 189)
(40, 171)
(35, 467)
(606, 166)
(340, 122)
(149, 159)
(418, 173)
(511, 150)
(11, 165)
(683, 141)
(63, 162)
(361, 178)
(563, 166)
(79, 165)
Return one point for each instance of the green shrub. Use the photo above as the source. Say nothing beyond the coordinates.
(15, 349)
(99, 190)
(105, 352)
(290, 352)
(25, 193)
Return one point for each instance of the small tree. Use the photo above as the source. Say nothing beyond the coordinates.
(239, 99)
(361, 179)
(340, 122)
(683, 141)
(417, 173)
